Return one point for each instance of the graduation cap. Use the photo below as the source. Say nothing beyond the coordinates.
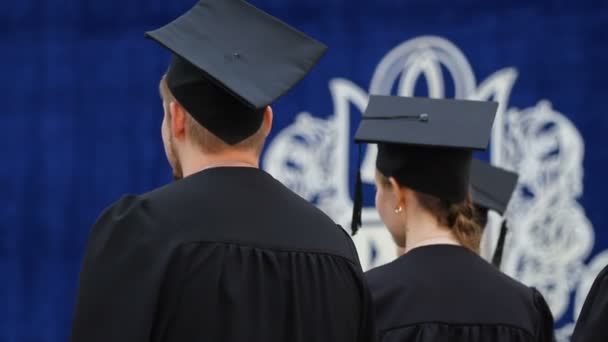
(425, 144)
(230, 61)
(491, 189)
(491, 186)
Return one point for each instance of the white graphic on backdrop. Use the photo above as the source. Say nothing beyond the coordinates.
(551, 236)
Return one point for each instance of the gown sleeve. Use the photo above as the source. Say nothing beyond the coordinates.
(121, 275)
(367, 325)
(368, 330)
(545, 331)
(592, 324)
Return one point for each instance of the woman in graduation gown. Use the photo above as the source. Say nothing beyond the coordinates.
(440, 289)
(592, 324)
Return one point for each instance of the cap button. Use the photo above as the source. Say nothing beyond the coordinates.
(424, 117)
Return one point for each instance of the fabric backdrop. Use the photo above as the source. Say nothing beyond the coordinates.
(81, 121)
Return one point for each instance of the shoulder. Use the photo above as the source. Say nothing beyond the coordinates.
(130, 221)
(127, 211)
(528, 308)
(126, 238)
(591, 320)
(377, 276)
(600, 284)
(603, 275)
(489, 276)
(508, 282)
(252, 208)
(385, 280)
(597, 298)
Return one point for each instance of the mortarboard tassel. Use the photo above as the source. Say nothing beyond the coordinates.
(357, 199)
(497, 258)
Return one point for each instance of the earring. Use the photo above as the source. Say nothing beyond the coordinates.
(398, 210)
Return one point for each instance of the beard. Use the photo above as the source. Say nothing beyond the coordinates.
(177, 175)
(174, 161)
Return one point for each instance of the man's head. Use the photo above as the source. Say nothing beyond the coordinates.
(218, 89)
(188, 143)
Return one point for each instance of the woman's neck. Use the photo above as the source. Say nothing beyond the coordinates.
(424, 231)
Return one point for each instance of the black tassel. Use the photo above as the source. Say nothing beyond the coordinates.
(357, 199)
(497, 258)
(357, 205)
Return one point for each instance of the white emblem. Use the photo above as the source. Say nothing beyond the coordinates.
(550, 234)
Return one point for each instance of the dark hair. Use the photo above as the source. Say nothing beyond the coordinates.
(460, 217)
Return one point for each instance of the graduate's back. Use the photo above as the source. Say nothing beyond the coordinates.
(228, 254)
(448, 293)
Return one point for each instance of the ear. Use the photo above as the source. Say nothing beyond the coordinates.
(178, 120)
(268, 118)
(399, 192)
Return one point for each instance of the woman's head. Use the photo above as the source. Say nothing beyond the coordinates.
(399, 206)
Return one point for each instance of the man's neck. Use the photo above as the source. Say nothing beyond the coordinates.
(202, 162)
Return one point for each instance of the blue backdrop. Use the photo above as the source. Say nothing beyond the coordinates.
(81, 117)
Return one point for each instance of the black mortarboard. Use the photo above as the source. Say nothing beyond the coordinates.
(230, 61)
(491, 189)
(426, 144)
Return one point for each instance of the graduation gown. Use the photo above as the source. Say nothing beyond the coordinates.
(446, 293)
(592, 324)
(228, 254)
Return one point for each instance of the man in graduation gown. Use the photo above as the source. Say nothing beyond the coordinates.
(592, 324)
(225, 253)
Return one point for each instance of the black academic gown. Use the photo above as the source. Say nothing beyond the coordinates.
(228, 254)
(592, 324)
(445, 293)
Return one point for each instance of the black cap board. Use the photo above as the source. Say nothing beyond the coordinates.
(230, 61)
(491, 186)
(419, 121)
(425, 144)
